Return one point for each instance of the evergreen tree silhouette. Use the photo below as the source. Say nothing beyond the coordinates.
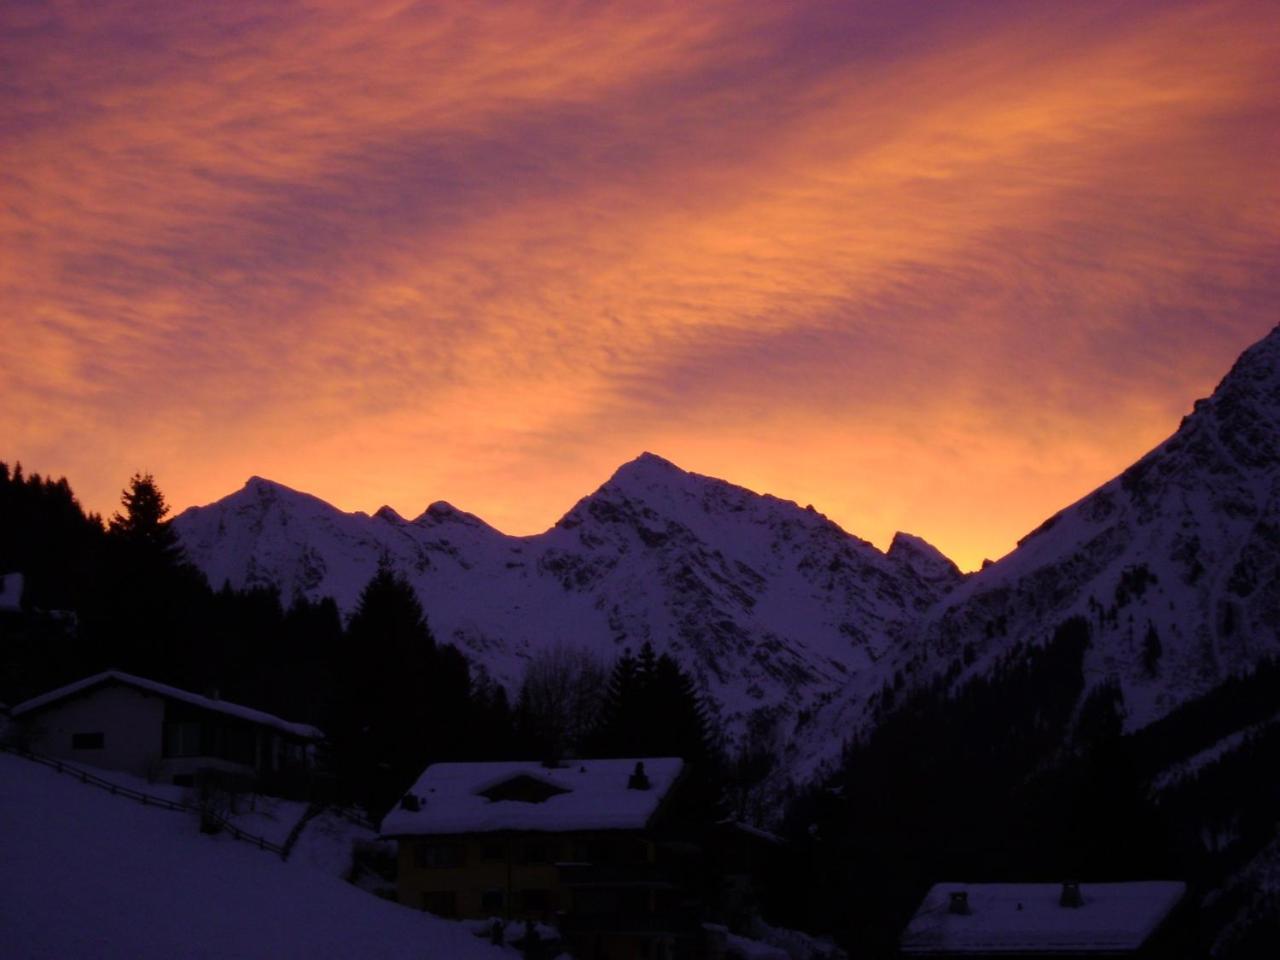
(401, 700)
(652, 708)
(142, 526)
(47, 537)
(151, 612)
(678, 715)
(618, 732)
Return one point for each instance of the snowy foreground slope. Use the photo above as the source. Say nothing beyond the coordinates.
(794, 624)
(87, 874)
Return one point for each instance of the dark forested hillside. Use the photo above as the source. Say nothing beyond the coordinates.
(1025, 775)
(122, 595)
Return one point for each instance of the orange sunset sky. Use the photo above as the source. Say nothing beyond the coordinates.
(939, 267)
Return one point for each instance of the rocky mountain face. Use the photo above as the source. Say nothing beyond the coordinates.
(793, 624)
(1175, 563)
(776, 608)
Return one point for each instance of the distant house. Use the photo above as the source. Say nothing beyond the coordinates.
(1041, 920)
(579, 844)
(118, 721)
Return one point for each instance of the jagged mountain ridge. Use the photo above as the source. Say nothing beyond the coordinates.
(794, 624)
(774, 606)
(1175, 563)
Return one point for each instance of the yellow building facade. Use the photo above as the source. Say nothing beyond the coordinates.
(571, 846)
(511, 876)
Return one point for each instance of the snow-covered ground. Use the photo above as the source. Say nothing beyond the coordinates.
(87, 874)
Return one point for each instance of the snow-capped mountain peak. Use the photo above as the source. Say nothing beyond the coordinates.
(924, 559)
(772, 604)
(442, 512)
(389, 514)
(793, 624)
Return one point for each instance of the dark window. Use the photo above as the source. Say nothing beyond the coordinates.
(633, 850)
(193, 733)
(241, 745)
(535, 852)
(443, 903)
(440, 855)
(493, 851)
(536, 901)
(619, 902)
(87, 741)
(633, 903)
(184, 780)
(182, 739)
(595, 901)
(492, 900)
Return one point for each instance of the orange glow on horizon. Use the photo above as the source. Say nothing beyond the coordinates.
(936, 270)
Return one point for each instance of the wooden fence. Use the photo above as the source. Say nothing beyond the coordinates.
(147, 799)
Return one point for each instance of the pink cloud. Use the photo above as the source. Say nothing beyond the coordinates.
(940, 269)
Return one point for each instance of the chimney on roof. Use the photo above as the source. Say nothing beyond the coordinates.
(639, 780)
(959, 903)
(1070, 895)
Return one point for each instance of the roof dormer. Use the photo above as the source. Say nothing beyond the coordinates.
(522, 788)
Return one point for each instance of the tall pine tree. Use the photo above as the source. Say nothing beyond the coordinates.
(401, 701)
(653, 708)
(142, 526)
(150, 609)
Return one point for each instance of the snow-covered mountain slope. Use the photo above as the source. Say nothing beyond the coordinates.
(1175, 563)
(774, 605)
(88, 874)
(792, 623)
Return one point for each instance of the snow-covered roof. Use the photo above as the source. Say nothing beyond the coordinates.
(306, 731)
(450, 797)
(1027, 918)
